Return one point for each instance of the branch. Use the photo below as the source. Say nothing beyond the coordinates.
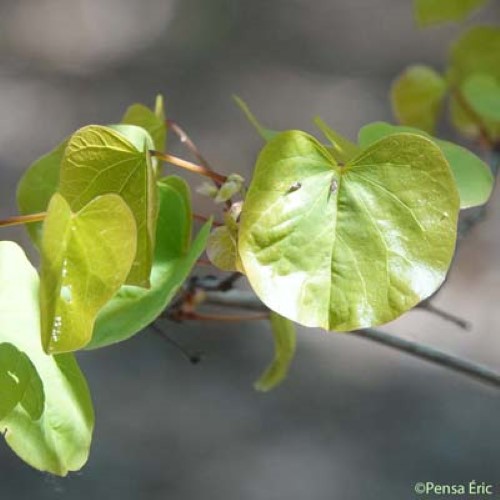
(436, 356)
(247, 300)
(187, 165)
(22, 219)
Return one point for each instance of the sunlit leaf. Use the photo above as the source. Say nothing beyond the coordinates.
(266, 133)
(152, 121)
(98, 160)
(45, 407)
(285, 341)
(355, 246)
(86, 257)
(132, 308)
(482, 92)
(342, 149)
(428, 12)
(472, 175)
(232, 186)
(36, 187)
(417, 97)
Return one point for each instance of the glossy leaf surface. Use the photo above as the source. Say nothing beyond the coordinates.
(472, 175)
(36, 187)
(285, 340)
(86, 257)
(428, 12)
(132, 308)
(352, 247)
(45, 405)
(417, 97)
(99, 160)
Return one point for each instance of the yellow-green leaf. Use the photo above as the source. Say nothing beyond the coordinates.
(482, 92)
(417, 97)
(36, 187)
(266, 133)
(472, 175)
(46, 412)
(352, 246)
(428, 12)
(152, 121)
(86, 257)
(285, 340)
(132, 308)
(342, 149)
(99, 160)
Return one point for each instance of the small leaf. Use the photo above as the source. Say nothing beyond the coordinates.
(208, 189)
(482, 92)
(232, 186)
(475, 52)
(45, 407)
(355, 246)
(266, 133)
(221, 249)
(86, 257)
(285, 341)
(428, 12)
(152, 121)
(132, 309)
(342, 149)
(417, 97)
(473, 177)
(99, 160)
(36, 187)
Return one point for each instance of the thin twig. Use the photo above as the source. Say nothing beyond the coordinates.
(17, 220)
(192, 357)
(198, 316)
(436, 356)
(186, 140)
(187, 165)
(431, 308)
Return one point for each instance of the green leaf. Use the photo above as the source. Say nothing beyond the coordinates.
(482, 92)
(233, 185)
(473, 177)
(152, 121)
(475, 52)
(342, 149)
(99, 160)
(353, 247)
(45, 407)
(285, 340)
(86, 257)
(36, 187)
(222, 250)
(417, 97)
(266, 133)
(132, 308)
(428, 12)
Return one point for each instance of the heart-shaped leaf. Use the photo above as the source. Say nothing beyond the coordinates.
(354, 246)
(99, 160)
(36, 187)
(482, 93)
(45, 407)
(86, 257)
(417, 97)
(428, 12)
(285, 340)
(132, 309)
(473, 177)
(152, 121)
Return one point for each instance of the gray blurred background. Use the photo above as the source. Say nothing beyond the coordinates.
(354, 421)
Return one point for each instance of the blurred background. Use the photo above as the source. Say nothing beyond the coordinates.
(354, 420)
